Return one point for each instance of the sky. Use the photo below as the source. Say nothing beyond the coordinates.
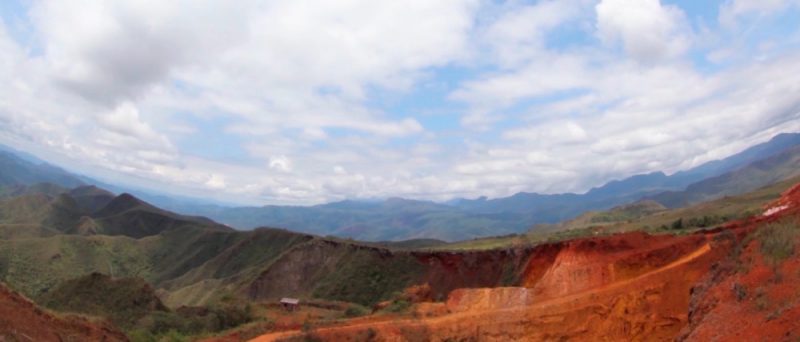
(304, 102)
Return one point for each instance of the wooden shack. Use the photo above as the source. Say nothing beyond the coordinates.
(290, 304)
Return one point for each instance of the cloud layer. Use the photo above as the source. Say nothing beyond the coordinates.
(312, 101)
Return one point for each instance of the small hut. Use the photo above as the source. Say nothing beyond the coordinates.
(290, 304)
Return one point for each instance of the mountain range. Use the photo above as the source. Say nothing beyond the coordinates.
(458, 219)
(161, 271)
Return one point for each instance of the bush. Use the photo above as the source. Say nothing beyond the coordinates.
(173, 336)
(777, 240)
(706, 221)
(355, 311)
(678, 224)
(400, 305)
(140, 335)
(195, 320)
(740, 292)
(307, 326)
(762, 301)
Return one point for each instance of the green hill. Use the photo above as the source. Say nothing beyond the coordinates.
(89, 210)
(123, 300)
(91, 198)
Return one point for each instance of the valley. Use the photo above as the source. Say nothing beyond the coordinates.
(637, 271)
(399, 171)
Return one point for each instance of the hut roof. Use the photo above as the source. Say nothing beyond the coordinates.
(292, 301)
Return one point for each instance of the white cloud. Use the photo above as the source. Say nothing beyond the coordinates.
(554, 133)
(280, 163)
(110, 52)
(216, 181)
(128, 87)
(124, 122)
(648, 30)
(731, 10)
(520, 31)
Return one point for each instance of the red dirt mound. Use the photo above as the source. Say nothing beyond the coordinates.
(22, 320)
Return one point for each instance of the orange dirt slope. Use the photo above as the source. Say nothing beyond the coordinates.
(584, 295)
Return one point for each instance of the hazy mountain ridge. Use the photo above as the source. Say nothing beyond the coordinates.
(760, 173)
(558, 207)
(459, 219)
(24, 171)
(90, 211)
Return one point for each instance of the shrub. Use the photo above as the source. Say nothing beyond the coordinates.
(777, 240)
(400, 305)
(307, 326)
(173, 336)
(762, 302)
(774, 315)
(140, 335)
(740, 292)
(724, 237)
(195, 320)
(355, 311)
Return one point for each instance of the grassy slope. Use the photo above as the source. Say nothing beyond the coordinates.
(34, 265)
(123, 300)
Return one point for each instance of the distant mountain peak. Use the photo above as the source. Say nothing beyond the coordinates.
(120, 204)
(87, 190)
(91, 198)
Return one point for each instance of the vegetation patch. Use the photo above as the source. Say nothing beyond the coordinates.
(124, 301)
(366, 278)
(131, 304)
(777, 240)
(705, 221)
(355, 311)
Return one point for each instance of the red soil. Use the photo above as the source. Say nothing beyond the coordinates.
(22, 320)
(593, 288)
(748, 298)
(630, 286)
